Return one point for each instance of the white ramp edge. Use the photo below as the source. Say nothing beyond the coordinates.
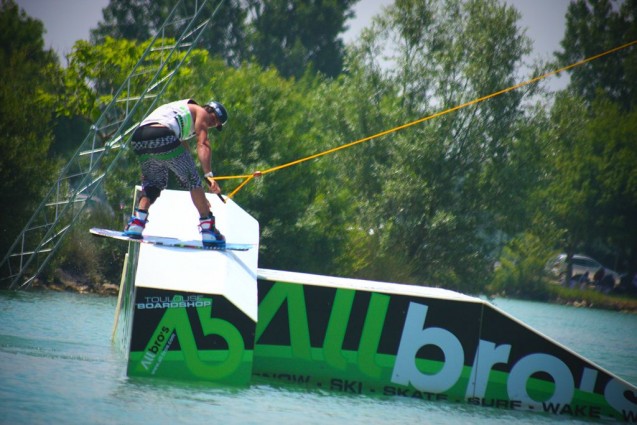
(363, 285)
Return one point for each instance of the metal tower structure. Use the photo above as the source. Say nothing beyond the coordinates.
(97, 155)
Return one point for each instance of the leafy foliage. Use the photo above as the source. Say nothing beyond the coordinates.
(520, 271)
(292, 35)
(591, 194)
(269, 127)
(442, 199)
(30, 87)
(504, 181)
(593, 27)
(289, 35)
(142, 19)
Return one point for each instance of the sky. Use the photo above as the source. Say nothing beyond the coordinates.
(67, 21)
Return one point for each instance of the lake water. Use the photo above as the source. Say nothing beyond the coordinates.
(57, 366)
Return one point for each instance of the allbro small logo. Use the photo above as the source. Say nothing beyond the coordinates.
(156, 348)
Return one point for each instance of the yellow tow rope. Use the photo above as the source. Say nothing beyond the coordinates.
(248, 177)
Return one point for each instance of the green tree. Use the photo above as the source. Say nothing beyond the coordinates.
(592, 27)
(590, 194)
(590, 197)
(292, 35)
(611, 134)
(31, 86)
(450, 182)
(358, 104)
(288, 35)
(142, 19)
(269, 127)
(520, 270)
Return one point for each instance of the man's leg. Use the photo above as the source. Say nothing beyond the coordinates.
(144, 203)
(201, 203)
(152, 143)
(155, 178)
(137, 222)
(186, 172)
(210, 236)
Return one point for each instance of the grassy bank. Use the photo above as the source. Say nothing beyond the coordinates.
(591, 298)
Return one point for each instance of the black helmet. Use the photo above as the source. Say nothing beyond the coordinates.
(220, 112)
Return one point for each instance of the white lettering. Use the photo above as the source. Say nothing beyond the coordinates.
(587, 383)
(487, 355)
(540, 362)
(148, 359)
(413, 338)
(617, 395)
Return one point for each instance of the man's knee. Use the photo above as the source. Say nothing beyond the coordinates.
(152, 193)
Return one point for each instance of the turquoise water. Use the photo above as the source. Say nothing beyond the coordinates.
(57, 366)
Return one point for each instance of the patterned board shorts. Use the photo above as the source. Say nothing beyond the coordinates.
(160, 151)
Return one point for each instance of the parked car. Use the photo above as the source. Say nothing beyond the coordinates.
(581, 265)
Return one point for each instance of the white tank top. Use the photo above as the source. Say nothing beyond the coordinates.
(176, 116)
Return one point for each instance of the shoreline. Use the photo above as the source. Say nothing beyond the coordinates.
(72, 282)
(65, 281)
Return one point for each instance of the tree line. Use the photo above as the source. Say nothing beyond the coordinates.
(509, 181)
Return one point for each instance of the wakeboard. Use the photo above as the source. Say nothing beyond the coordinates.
(167, 241)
